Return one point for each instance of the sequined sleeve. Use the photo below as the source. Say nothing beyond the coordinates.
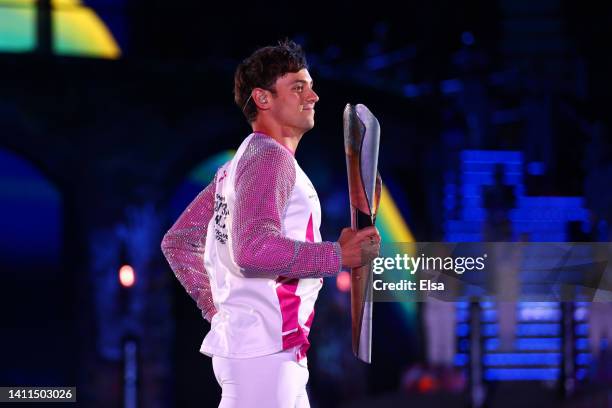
(183, 246)
(265, 177)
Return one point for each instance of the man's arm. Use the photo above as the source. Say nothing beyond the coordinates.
(183, 246)
(265, 178)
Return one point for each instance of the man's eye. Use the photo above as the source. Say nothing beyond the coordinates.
(299, 88)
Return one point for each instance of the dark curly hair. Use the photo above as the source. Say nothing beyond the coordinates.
(262, 69)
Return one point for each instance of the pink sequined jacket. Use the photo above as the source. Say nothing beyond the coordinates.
(264, 181)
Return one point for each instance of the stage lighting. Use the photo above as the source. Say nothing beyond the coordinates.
(127, 276)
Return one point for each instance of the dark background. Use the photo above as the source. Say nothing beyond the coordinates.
(95, 151)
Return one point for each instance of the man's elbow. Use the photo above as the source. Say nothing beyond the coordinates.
(250, 260)
(255, 261)
(243, 258)
(166, 242)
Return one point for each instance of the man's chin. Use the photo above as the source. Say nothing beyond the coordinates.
(305, 126)
(309, 125)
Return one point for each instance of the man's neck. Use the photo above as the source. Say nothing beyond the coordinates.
(287, 137)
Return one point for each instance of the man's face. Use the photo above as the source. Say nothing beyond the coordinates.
(292, 106)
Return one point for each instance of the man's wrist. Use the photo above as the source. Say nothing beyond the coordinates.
(338, 252)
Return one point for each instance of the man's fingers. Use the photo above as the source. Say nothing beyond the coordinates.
(369, 252)
(367, 231)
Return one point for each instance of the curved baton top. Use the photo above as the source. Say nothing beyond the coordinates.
(361, 141)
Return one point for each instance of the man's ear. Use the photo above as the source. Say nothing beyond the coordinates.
(260, 97)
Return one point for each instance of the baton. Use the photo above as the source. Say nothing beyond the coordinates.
(361, 140)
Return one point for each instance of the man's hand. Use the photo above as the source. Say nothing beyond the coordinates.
(359, 247)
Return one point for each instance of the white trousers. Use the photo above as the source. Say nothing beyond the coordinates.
(272, 381)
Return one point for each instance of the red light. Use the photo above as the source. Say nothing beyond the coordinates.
(427, 384)
(343, 281)
(127, 277)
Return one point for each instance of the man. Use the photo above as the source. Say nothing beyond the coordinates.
(248, 248)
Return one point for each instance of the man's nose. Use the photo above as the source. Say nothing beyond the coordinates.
(313, 97)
